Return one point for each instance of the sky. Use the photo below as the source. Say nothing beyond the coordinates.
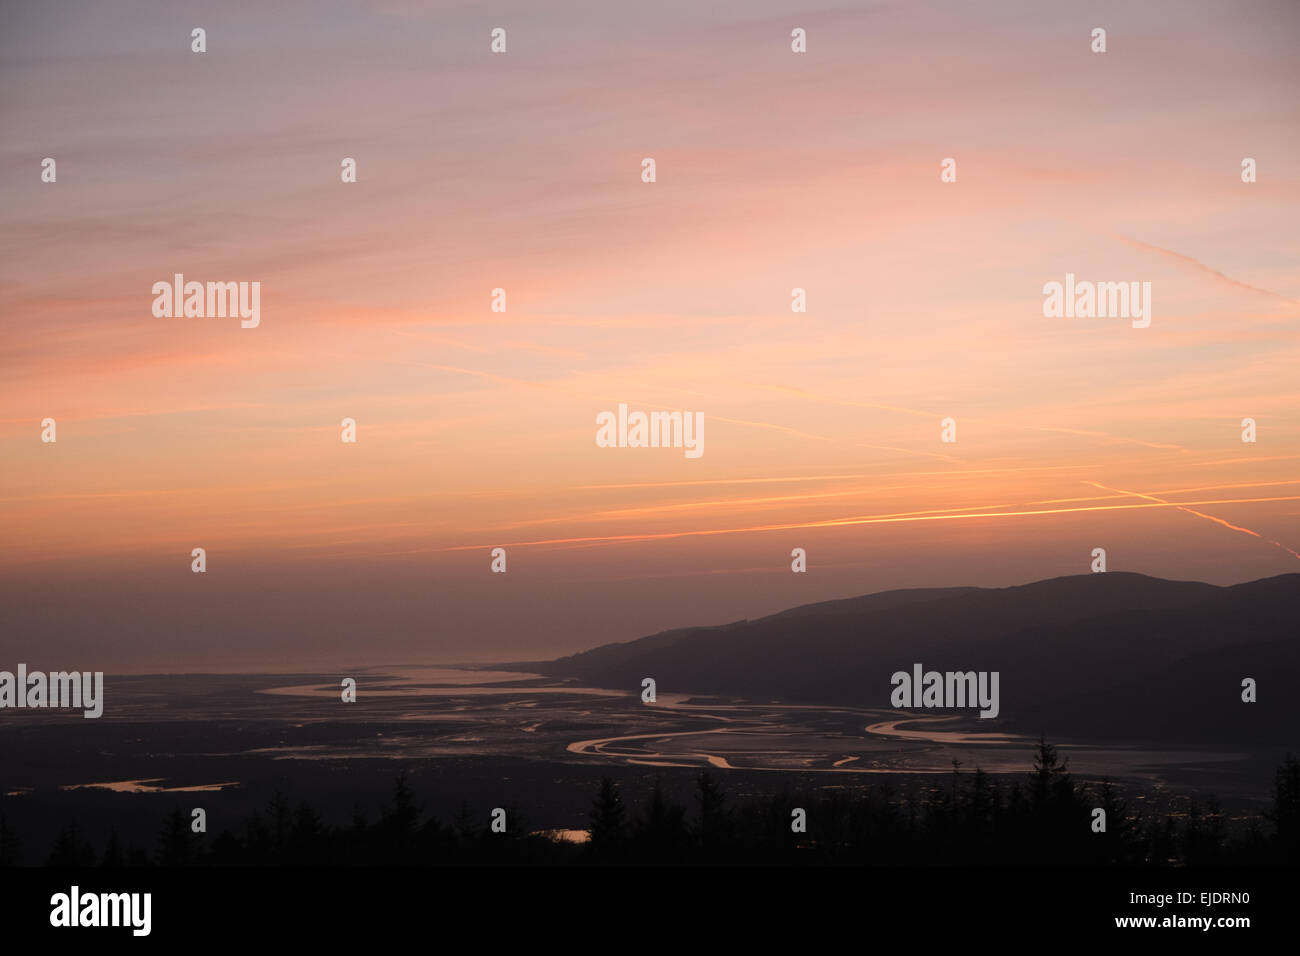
(523, 171)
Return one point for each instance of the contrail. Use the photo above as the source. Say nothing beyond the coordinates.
(1202, 267)
(836, 523)
(1199, 514)
(862, 474)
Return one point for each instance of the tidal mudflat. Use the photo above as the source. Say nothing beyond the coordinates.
(477, 734)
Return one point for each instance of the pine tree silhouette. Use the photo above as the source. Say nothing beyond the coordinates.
(1116, 845)
(71, 848)
(1285, 811)
(608, 822)
(309, 842)
(114, 856)
(660, 832)
(176, 843)
(11, 849)
(715, 828)
(397, 824)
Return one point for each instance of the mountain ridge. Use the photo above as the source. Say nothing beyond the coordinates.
(1061, 646)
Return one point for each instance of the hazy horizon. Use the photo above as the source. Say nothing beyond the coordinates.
(340, 659)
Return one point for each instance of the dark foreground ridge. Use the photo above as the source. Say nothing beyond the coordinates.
(1044, 818)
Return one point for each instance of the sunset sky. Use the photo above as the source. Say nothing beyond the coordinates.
(522, 171)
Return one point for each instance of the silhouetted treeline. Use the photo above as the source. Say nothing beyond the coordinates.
(1046, 817)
